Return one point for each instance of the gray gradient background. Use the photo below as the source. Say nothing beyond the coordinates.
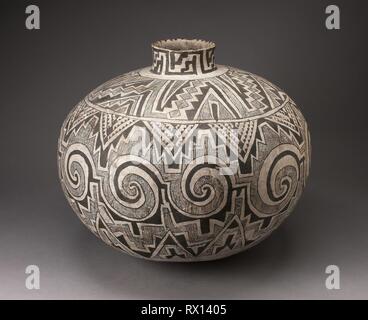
(81, 44)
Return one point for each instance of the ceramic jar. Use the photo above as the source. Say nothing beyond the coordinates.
(185, 160)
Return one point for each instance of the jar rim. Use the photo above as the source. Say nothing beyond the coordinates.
(183, 45)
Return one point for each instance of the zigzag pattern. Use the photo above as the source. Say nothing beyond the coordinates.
(249, 95)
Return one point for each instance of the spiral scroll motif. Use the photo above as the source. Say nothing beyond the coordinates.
(203, 190)
(278, 180)
(133, 188)
(77, 170)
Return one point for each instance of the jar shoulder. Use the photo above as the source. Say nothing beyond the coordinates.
(233, 96)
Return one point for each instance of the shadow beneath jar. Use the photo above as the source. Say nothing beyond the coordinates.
(235, 277)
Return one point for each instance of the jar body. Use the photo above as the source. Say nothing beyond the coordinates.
(187, 169)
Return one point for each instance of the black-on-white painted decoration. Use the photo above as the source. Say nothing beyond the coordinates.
(185, 160)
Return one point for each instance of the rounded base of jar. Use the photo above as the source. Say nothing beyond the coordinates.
(205, 258)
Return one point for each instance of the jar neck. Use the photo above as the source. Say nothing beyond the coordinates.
(183, 57)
